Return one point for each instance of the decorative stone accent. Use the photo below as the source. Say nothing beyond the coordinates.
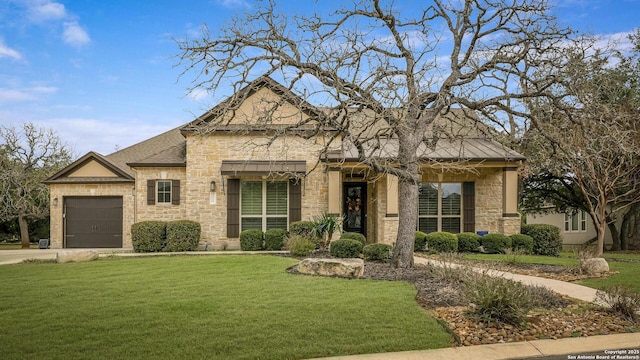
(351, 268)
(76, 256)
(594, 266)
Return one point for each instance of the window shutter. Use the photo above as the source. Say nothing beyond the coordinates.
(295, 200)
(151, 192)
(175, 192)
(469, 206)
(233, 208)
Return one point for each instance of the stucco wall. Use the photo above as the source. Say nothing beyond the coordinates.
(570, 238)
(59, 191)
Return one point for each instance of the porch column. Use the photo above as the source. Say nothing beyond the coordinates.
(392, 196)
(335, 181)
(510, 192)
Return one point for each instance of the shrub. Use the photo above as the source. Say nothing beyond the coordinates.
(345, 248)
(300, 245)
(420, 242)
(274, 239)
(468, 242)
(546, 239)
(522, 243)
(377, 252)
(324, 227)
(622, 301)
(182, 235)
(442, 242)
(307, 230)
(497, 299)
(495, 243)
(251, 240)
(354, 236)
(148, 236)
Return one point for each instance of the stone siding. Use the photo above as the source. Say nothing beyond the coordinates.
(160, 211)
(205, 155)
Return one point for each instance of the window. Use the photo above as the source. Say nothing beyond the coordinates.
(575, 222)
(264, 205)
(163, 191)
(440, 207)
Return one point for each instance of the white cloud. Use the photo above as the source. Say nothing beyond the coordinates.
(235, 3)
(74, 34)
(6, 51)
(44, 10)
(24, 94)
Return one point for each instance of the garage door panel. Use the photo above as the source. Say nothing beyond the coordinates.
(93, 222)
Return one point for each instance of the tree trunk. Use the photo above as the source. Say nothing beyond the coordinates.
(624, 231)
(407, 198)
(615, 236)
(24, 231)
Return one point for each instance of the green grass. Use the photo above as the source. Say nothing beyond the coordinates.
(628, 276)
(16, 246)
(203, 307)
(565, 259)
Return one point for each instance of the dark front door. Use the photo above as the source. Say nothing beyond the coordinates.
(93, 222)
(355, 209)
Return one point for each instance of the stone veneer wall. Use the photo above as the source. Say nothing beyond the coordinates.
(164, 211)
(488, 203)
(204, 158)
(124, 190)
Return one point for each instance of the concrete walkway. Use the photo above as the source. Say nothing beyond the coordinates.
(561, 287)
(604, 345)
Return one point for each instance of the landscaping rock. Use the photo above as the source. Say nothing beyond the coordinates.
(351, 268)
(595, 266)
(76, 256)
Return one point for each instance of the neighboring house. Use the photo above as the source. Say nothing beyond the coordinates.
(576, 227)
(227, 180)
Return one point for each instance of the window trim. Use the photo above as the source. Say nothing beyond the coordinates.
(582, 222)
(439, 216)
(170, 192)
(264, 216)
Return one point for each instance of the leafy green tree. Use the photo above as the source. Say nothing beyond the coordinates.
(28, 156)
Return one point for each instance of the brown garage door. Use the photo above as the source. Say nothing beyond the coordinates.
(93, 222)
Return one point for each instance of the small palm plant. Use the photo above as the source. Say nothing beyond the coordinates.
(325, 226)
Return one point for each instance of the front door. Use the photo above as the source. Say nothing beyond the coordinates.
(355, 210)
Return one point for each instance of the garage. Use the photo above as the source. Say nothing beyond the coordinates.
(93, 222)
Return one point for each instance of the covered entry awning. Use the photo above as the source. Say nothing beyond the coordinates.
(263, 167)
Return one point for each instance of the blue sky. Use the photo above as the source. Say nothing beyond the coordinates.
(102, 75)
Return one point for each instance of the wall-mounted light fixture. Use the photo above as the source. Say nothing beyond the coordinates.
(212, 186)
(55, 201)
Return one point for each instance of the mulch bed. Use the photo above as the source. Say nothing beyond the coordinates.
(570, 318)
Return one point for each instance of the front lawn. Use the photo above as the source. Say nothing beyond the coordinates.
(203, 307)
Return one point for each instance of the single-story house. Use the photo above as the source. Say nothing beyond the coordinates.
(576, 226)
(226, 179)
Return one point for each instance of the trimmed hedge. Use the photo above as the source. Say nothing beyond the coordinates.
(302, 228)
(495, 243)
(251, 240)
(442, 242)
(420, 241)
(182, 235)
(468, 242)
(546, 239)
(354, 236)
(299, 245)
(345, 248)
(380, 252)
(521, 242)
(148, 236)
(274, 239)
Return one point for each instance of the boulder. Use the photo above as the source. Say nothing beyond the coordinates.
(351, 268)
(594, 266)
(76, 255)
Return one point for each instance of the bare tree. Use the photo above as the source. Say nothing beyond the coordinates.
(591, 139)
(404, 65)
(27, 157)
